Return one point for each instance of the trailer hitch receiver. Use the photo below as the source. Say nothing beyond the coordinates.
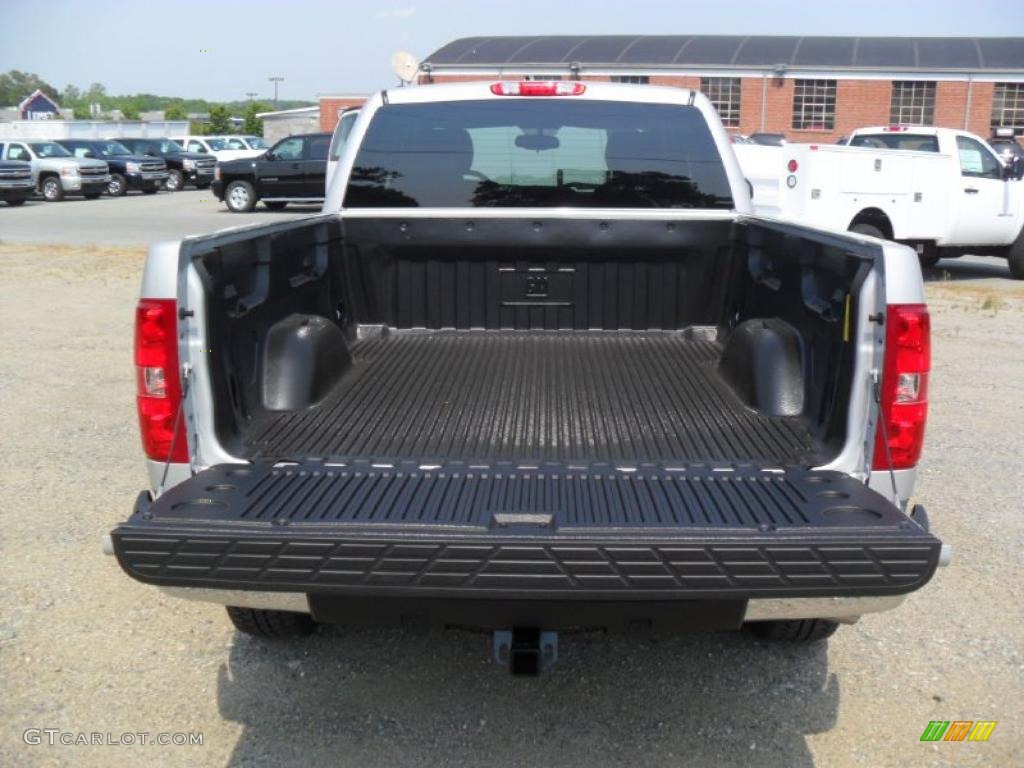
(526, 650)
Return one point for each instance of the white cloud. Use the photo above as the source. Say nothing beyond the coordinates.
(393, 14)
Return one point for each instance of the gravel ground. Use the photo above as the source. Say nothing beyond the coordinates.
(83, 648)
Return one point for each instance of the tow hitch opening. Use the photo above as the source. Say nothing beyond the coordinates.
(526, 651)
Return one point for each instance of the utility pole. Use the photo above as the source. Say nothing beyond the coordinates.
(275, 80)
(251, 94)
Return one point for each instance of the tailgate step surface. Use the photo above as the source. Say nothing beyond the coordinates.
(517, 531)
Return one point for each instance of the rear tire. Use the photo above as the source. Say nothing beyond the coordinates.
(1015, 258)
(51, 189)
(275, 206)
(277, 625)
(175, 181)
(794, 630)
(863, 228)
(118, 185)
(240, 197)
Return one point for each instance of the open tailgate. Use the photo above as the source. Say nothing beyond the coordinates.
(605, 532)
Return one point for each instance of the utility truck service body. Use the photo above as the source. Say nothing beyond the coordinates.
(537, 366)
(942, 191)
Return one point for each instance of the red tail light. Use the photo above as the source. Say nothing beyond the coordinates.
(792, 166)
(538, 88)
(159, 384)
(904, 394)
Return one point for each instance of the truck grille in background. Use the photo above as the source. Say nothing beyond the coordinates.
(92, 172)
(206, 162)
(15, 173)
(150, 167)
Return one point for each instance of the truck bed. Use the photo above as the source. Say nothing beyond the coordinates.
(537, 396)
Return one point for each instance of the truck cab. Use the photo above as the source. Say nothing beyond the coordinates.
(56, 172)
(292, 171)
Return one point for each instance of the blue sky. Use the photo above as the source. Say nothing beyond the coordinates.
(344, 46)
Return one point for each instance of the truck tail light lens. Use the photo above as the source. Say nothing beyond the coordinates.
(792, 166)
(904, 392)
(538, 88)
(158, 395)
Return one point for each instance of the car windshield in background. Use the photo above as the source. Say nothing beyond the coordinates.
(49, 149)
(217, 144)
(233, 144)
(526, 152)
(905, 141)
(113, 149)
(257, 143)
(168, 147)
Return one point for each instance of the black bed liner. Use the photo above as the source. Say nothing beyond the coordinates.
(538, 395)
(648, 531)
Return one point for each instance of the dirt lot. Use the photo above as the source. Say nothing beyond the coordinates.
(84, 649)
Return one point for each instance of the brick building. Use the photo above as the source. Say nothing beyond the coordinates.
(332, 106)
(809, 88)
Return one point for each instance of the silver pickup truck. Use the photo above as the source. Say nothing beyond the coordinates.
(56, 171)
(536, 366)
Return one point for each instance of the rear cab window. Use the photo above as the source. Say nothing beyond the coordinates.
(538, 153)
(910, 142)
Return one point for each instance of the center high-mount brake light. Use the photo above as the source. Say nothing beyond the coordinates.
(903, 409)
(159, 383)
(538, 88)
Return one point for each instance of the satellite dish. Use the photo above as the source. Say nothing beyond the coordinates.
(405, 65)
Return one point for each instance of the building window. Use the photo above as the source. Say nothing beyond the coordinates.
(814, 105)
(1008, 107)
(634, 79)
(724, 93)
(913, 102)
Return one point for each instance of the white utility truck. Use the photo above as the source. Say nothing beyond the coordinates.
(942, 191)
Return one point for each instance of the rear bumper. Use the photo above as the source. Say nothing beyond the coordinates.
(368, 532)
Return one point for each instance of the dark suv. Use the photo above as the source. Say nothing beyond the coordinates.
(127, 171)
(292, 171)
(182, 167)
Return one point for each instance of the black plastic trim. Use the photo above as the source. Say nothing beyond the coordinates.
(648, 533)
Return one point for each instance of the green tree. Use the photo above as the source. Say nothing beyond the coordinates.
(220, 119)
(130, 112)
(16, 85)
(253, 125)
(175, 111)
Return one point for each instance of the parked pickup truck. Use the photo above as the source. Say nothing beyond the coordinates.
(221, 147)
(536, 366)
(942, 191)
(292, 171)
(16, 185)
(127, 171)
(55, 171)
(182, 167)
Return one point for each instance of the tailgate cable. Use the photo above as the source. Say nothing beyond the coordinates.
(186, 370)
(876, 379)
